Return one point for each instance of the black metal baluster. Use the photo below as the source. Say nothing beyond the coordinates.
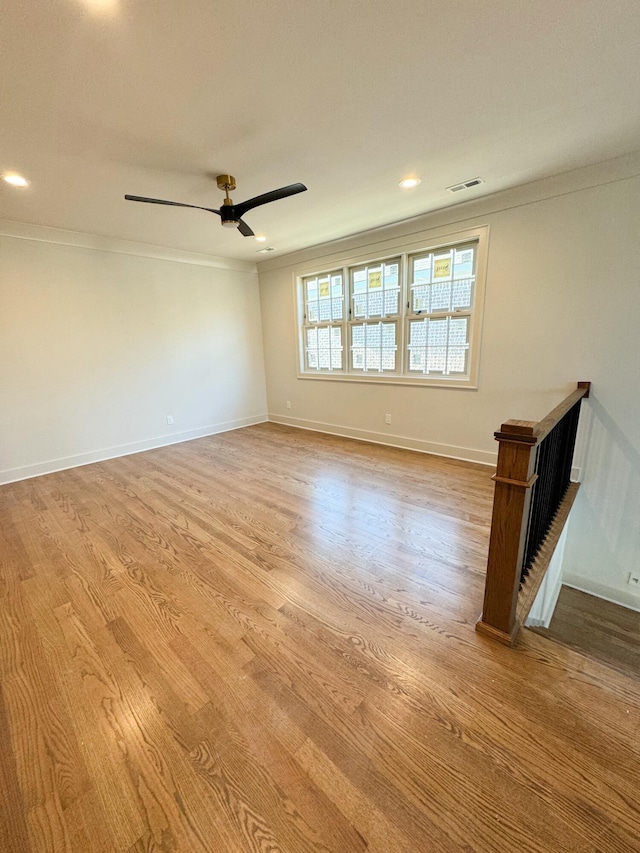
(553, 466)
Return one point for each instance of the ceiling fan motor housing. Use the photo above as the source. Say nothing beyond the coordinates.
(228, 215)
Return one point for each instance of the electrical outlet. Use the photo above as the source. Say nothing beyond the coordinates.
(634, 579)
(387, 419)
(288, 404)
(169, 419)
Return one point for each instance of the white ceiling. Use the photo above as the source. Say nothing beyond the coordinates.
(155, 97)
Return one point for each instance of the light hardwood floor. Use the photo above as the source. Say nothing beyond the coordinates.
(264, 641)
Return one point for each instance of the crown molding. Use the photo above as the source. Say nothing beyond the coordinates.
(79, 240)
(463, 214)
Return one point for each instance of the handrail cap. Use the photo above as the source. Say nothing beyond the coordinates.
(533, 432)
(517, 430)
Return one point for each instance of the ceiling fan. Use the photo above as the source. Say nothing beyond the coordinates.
(231, 214)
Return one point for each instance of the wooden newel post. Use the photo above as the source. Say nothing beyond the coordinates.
(514, 477)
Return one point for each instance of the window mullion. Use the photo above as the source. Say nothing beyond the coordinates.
(403, 300)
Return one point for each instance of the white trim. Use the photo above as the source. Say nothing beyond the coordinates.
(12, 475)
(407, 244)
(544, 619)
(389, 378)
(450, 451)
(79, 240)
(600, 590)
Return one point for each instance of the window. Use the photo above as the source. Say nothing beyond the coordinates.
(375, 293)
(323, 315)
(412, 317)
(441, 287)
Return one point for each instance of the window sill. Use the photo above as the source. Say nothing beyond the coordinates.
(386, 379)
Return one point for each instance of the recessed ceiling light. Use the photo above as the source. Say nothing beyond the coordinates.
(261, 238)
(409, 183)
(15, 180)
(102, 6)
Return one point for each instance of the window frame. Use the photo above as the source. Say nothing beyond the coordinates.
(403, 251)
(307, 324)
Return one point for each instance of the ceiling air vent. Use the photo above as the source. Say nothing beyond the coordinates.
(465, 185)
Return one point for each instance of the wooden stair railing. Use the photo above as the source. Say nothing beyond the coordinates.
(532, 499)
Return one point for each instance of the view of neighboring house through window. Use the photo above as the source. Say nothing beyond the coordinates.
(441, 288)
(411, 317)
(375, 293)
(324, 313)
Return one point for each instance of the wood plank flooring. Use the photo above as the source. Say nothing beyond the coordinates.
(264, 641)
(597, 628)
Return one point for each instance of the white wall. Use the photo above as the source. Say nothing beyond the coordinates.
(562, 305)
(98, 346)
(603, 543)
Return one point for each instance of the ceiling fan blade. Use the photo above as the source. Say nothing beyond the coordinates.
(172, 203)
(265, 198)
(244, 229)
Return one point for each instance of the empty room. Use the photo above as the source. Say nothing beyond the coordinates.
(319, 427)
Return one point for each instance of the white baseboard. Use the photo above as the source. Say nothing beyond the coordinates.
(615, 596)
(466, 454)
(12, 475)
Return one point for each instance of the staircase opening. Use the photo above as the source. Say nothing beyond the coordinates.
(532, 500)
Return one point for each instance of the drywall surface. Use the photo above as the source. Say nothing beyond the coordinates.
(562, 304)
(603, 543)
(98, 347)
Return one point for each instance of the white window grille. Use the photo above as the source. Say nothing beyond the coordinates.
(323, 306)
(441, 284)
(412, 317)
(373, 346)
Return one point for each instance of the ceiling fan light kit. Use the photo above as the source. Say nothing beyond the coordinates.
(231, 214)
